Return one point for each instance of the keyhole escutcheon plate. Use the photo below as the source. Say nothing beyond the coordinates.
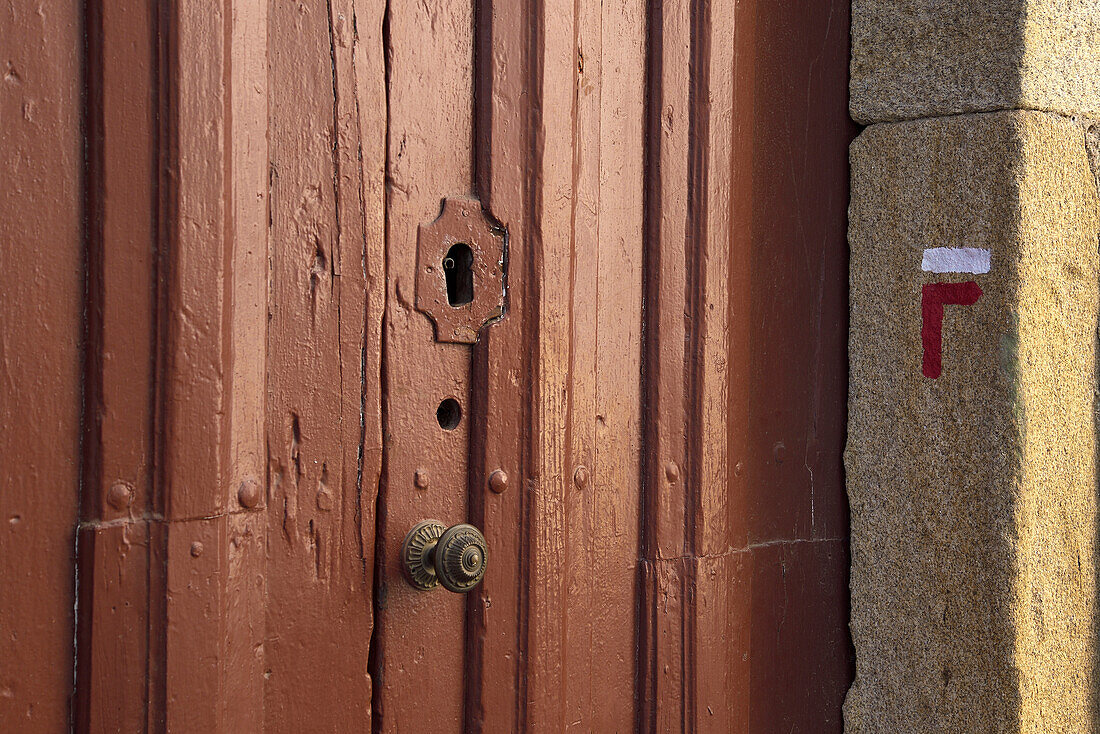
(463, 250)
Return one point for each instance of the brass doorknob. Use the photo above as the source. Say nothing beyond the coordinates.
(433, 554)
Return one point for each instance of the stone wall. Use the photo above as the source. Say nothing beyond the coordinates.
(971, 456)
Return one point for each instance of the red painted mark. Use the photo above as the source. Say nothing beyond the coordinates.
(933, 298)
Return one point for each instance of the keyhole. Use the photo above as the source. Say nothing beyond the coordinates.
(458, 268)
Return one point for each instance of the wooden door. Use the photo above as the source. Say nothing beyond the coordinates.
(642, 408)
(665, 390)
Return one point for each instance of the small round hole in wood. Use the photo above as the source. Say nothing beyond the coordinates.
(449, 414)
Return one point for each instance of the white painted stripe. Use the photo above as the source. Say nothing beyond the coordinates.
(955, 260)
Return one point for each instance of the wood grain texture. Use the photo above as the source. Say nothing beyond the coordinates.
(572, 148)
(550, 337)
(41, 286)
(602, 533)
(420, 640)
(323, 316)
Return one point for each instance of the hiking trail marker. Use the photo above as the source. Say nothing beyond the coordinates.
(934, 296)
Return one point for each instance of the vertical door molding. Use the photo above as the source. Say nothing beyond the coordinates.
(232, 435)
(503, 376)
(171, 551)
(744, 625)
(41, 293)
(690, 628)
(121, 534)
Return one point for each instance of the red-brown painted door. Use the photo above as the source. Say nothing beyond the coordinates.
(650, 437)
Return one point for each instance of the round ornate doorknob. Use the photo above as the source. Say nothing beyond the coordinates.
(433, 554)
